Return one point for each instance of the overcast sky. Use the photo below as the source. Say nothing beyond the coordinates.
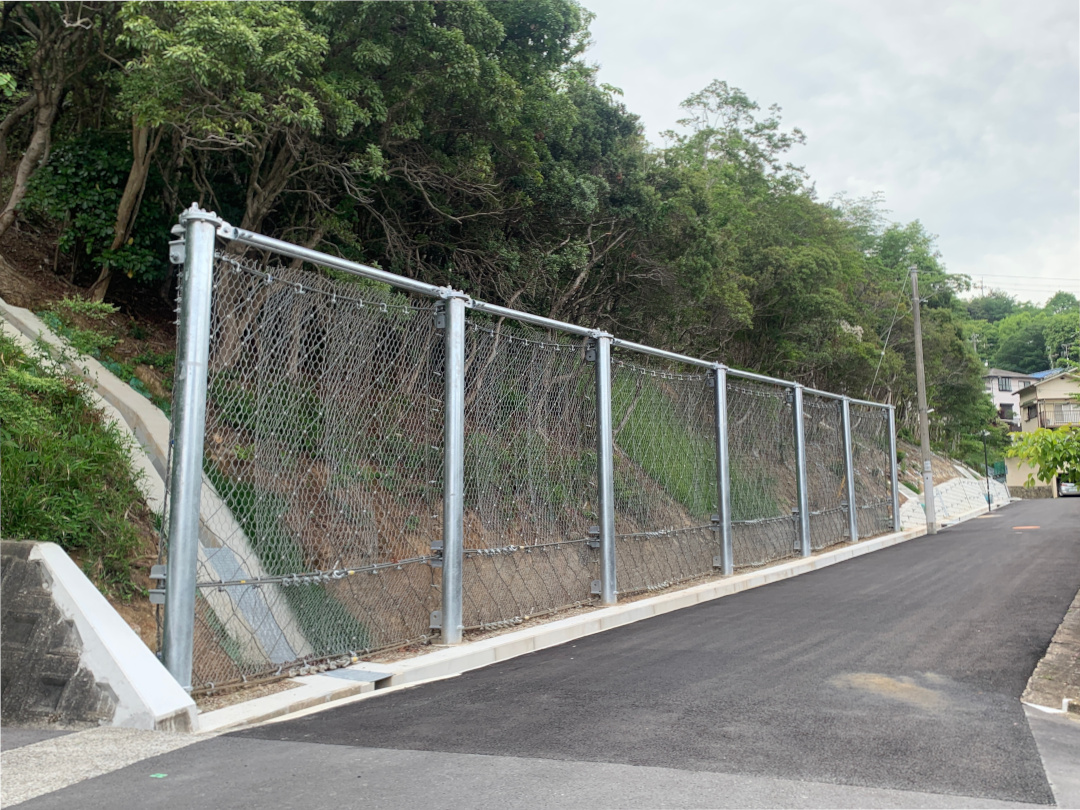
(965, 114)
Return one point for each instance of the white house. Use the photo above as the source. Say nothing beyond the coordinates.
(1004, 388)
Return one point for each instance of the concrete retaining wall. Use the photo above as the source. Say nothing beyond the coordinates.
(68, 657)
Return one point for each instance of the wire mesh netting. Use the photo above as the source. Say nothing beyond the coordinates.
(530, 472)
(323, 484)
(322, 471)
(826, 477)
(664, 432)
(873, 469)
(761, 450)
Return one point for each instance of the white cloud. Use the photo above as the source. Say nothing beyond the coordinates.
(965, 114)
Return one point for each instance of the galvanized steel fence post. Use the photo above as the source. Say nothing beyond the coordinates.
(453, 471)
(723, 472)
(605, 468)
(803, 513)
(893, 476)
(849, 471)
(189, 421)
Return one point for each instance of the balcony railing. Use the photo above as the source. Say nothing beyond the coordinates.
(1058, 414)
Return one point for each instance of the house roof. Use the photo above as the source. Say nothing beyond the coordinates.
(1042, 375)
(1000, 372)
(1052, 375)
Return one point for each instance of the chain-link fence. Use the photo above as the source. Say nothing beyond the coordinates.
(763, 472)
(870, 443)
(664, 438)
(322, 463)
(328, 466)
(530, 472)
(826, 473)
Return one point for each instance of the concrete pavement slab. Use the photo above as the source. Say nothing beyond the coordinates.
(53, 764)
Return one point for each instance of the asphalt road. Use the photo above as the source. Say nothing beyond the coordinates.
(889, 680)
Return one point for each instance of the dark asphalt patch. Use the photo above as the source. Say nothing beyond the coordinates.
(901, 669)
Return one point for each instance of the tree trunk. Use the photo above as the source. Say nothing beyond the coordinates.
(142, 150)
(39, 141)
(9, 122)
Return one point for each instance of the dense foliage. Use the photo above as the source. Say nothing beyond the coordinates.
(468, 143)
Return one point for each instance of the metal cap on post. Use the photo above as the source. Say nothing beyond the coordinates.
(189, 422)
(605, 468)
(454, 471)
(894, 478)
(849, 470)
(723, 472)
(800, 472)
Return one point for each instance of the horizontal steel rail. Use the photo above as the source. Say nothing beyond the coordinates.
(869, 403)
(344, 265)
(749, 375)
(666, 355)
(525, 317)
(826, 394)
(256, 240)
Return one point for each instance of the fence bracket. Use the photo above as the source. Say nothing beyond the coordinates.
(594, 537)
(157, 595)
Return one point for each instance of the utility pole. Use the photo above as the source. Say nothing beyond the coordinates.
(924, 419)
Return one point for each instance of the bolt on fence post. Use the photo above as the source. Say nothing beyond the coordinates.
(723, 472)
(849, 469)
(189, 423)
(605, 469)
(453, 471)
(800, 472)
(894, 483)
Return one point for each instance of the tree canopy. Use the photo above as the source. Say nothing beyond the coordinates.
(470, 144)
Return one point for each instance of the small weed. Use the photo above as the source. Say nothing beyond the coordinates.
(913, 487)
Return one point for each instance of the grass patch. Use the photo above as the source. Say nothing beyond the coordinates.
(913, 487)
(663, 445)
(83, 324)
(66, 473)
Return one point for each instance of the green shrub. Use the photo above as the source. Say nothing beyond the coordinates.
(62, 319)
(81, 186)
(66, 473)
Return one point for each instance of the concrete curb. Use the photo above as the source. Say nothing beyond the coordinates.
(147, 696)
(322, 690)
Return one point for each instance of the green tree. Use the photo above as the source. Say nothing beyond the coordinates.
(65, 39)
(1055, 453)
(1022, 343)
(992, 307)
